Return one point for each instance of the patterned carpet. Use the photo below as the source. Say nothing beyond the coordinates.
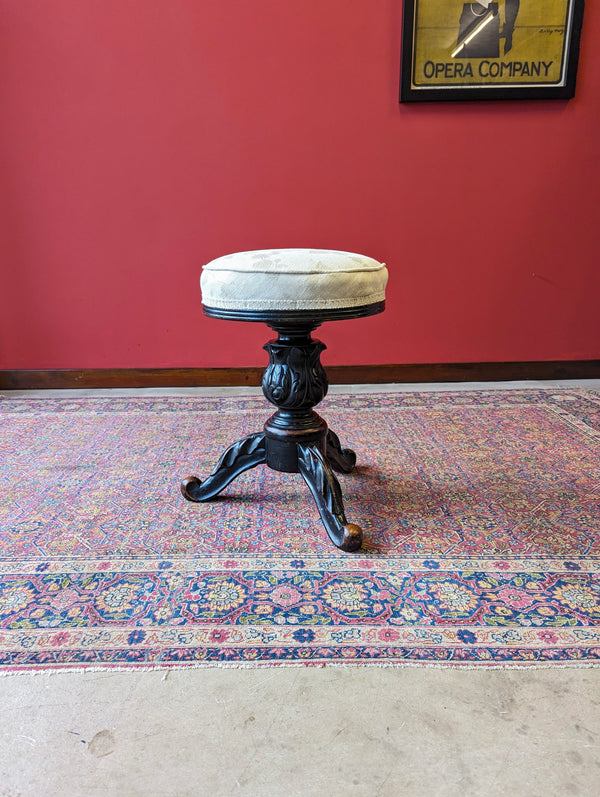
(481, 514)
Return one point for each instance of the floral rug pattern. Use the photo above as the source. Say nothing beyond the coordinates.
(480, 510)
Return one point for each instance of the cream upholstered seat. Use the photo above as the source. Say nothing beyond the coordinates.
(292, 279)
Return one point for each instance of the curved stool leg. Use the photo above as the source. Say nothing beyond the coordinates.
(341, 459)
(245, 454)
(327, 493)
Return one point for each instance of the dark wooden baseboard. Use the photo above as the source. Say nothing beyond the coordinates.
(337, 374)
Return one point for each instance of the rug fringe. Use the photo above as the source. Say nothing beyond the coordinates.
(168, 668)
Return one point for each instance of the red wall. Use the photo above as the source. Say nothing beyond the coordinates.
(141, 138)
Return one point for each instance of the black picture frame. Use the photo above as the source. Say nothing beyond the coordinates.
(437, 80)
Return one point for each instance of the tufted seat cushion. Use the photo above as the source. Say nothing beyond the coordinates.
(292, 279)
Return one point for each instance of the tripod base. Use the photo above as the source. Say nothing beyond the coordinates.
(294, 439)
(306, 458)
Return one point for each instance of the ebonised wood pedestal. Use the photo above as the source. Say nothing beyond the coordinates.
(294, 439)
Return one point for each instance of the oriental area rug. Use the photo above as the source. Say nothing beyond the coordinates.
(480, 512)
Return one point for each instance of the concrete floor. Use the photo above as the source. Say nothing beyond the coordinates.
(366, 732)
(363, 731)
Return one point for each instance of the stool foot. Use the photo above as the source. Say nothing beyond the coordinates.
(341, 459)
(326, 491)
(245, 454)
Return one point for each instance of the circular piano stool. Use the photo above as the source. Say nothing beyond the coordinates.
(293, 291)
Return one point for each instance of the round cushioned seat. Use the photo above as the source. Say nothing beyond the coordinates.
(285, 280)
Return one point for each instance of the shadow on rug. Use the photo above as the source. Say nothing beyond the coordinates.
(481, 513)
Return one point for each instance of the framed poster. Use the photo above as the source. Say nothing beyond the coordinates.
(510, 49)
